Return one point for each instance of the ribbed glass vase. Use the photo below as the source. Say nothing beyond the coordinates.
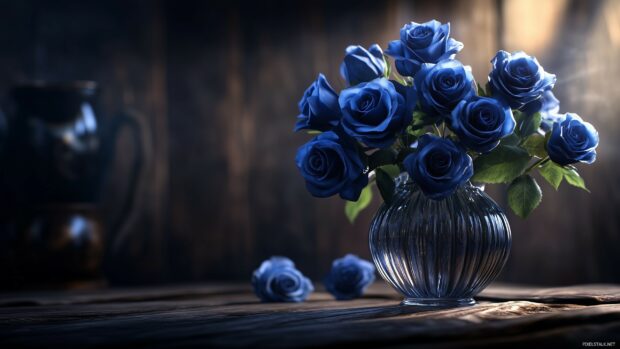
(439, 252)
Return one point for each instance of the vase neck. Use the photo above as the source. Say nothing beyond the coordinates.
(404, 182)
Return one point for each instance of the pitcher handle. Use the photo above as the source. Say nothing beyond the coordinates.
(121, 226)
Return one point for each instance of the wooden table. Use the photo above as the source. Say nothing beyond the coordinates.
(228, 315)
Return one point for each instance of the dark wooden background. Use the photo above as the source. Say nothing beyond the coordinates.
(216, 83)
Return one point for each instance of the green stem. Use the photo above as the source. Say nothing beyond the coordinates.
(400, 79)
(536, 164)
(437, 130)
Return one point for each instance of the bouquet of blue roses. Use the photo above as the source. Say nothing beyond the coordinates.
(429, 117)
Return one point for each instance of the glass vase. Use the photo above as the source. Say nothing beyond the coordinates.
(439, 253)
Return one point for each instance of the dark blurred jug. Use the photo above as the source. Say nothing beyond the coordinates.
(56, 155)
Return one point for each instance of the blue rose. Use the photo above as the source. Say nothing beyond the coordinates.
(361, 65)
(572, 140)
(331, 164)
(277, 280)
(481, 122)
(375, 112)
(519, 78)
(439, 166)
(443, 85)
(428, 42)
(318, 107)
(349, 277)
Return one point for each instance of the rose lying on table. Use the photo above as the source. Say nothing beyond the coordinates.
(277, 279)
(432, 120)
(349, 277)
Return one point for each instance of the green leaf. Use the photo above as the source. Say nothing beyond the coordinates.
(481, 91)
(553, 173)
(388, 70)
(524, 195)
(519, 116)
(381, 157)
(415, 132)
(502, 165)
(418, 116)
(513, 139)
(385, 183)
(410, 136)
(353, 208)
(529, 124)
(573, 178)
(314, 132)
(421, 120)
(392, 170)
(535, 145)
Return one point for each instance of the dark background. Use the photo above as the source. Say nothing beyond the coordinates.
(216, 84)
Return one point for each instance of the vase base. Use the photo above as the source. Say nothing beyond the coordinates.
(439, 302)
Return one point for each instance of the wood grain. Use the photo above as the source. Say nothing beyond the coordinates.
(217, 82)
(228, 315)
(235, 202)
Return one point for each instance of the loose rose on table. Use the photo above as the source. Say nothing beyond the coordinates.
(277, 280)
(349, 277)
(429, 117)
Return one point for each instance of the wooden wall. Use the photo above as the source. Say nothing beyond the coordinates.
(217, 82)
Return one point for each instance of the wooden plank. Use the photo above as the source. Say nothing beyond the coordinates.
(218, 83)
(579, 294)
(228, 315)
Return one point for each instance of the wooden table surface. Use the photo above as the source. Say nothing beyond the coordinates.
(228, 315)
